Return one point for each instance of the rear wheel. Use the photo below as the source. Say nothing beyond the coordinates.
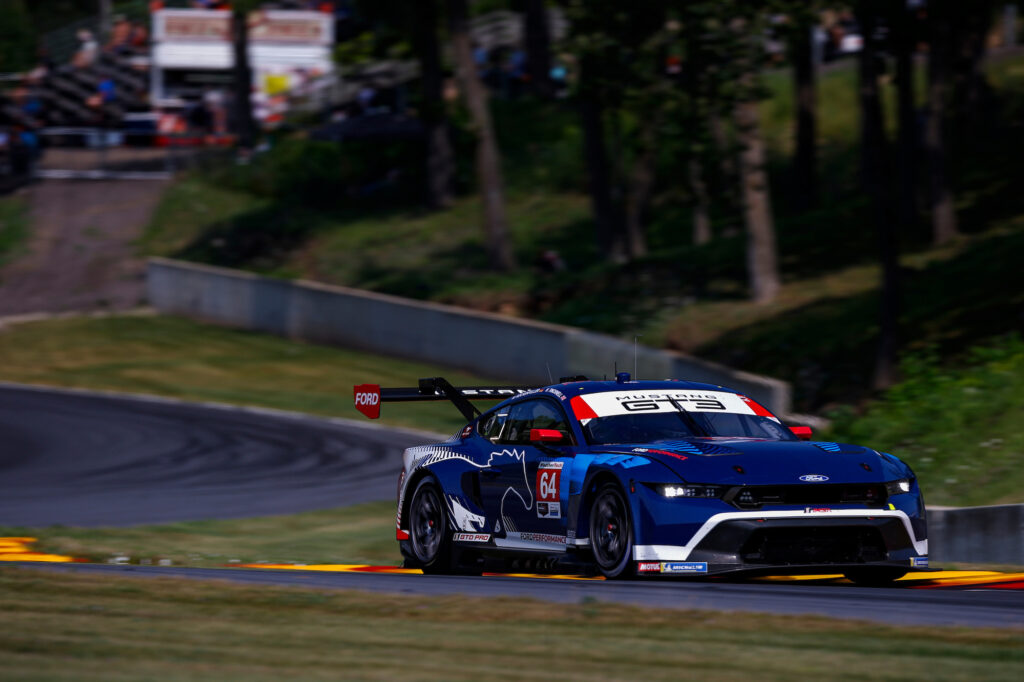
(428, 529)
(877, 576)
(611, 532)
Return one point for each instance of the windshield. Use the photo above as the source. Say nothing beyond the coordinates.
(650, 416)
(651, 428)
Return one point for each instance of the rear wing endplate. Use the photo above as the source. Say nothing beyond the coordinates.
(368, 397)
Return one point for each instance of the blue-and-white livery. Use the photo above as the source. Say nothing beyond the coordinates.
(649, 478)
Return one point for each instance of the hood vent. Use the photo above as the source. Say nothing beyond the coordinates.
(698, 448)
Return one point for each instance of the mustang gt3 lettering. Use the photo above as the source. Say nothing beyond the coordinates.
(650, 478)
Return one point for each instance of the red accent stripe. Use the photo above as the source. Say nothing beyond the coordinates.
(581, 409)
(756, 407)
(401, 534)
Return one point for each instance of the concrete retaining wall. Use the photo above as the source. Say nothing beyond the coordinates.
(487, 344)
(989, 535)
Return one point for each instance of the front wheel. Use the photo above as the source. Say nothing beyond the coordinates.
(428, 529)
(611, 532)
(879, 576)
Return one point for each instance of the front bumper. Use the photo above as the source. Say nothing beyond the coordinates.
(791, 542)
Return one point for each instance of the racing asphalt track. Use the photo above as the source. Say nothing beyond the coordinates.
(87, 459)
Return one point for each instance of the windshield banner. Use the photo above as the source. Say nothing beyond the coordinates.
(638, 402)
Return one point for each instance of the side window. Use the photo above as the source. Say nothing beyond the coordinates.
(532, 414)
(491, 425)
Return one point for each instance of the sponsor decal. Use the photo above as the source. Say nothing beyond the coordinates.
(816, 510)
(368, 399)
(549, 510)
(495, 391)
(472, 537)
(466, 432)
(543, 537)
(660, 452)
(571, 533)
(684, 567)
(919, 562)
(631, 402)
(649, 567)
(813, 478)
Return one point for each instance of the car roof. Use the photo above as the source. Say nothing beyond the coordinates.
(585, 387)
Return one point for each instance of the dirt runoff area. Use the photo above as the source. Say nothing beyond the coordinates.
(82, 253)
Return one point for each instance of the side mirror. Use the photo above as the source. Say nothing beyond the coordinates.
(801, 432)
(546, 436)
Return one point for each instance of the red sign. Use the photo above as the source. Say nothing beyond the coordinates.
(368, 399)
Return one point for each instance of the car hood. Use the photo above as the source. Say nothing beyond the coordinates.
(747, 461)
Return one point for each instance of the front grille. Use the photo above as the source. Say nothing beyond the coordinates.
(814, 545)
(758, 496)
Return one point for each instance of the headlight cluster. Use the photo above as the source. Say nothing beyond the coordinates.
(687, 490)
(898, 487)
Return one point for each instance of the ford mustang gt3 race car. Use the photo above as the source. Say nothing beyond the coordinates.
(648, 478)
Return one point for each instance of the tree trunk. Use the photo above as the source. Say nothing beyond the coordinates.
(245, 127)
(537, 34)
(641, 186)
(440, 163)
(599, 176)
(944, 226)
(806, 118)
(903, 40)
(701, 203)
(762, 262)
(876, 180)
(488, 157)
(969, 26)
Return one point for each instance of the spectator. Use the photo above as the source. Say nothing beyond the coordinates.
(216, 105)
(107, 90)
(120, 35)
(87, 50)
(139, 37)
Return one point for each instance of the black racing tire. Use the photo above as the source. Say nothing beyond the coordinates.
(611, 532)
(429, 536)
(874, 576)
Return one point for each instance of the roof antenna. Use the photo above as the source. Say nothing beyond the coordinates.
(636, 374)
(550, 377)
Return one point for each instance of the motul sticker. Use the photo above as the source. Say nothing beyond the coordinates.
(549, 478)
(368, 400)
(649, 567)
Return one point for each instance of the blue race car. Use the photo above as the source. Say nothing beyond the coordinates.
(648, 478)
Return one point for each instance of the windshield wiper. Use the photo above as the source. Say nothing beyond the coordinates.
(688, 419)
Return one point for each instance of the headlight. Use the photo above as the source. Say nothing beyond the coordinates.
(898, 487)
(686, 490)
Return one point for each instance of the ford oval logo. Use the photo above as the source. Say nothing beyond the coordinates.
(813, 478)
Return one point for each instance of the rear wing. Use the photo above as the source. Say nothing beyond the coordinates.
(368, 397)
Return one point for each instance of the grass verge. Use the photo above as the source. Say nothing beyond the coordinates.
(360, 534)
(13, 227)
(95, 627)
(182, 359)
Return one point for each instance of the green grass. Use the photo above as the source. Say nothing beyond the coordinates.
(960, 429)
(13, 227)
(363, 533)
(182, 359)
(86, 627)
